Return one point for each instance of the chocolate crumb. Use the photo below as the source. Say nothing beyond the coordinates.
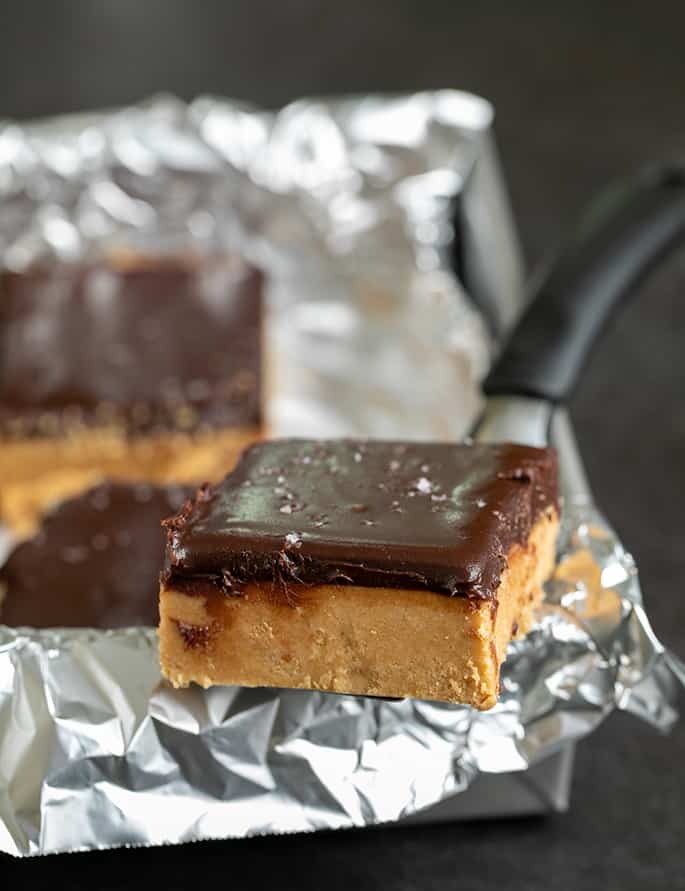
(195, 636)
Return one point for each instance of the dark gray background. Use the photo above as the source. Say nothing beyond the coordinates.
(584, 93)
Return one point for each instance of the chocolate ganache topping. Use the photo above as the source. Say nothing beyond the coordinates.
(94, 563)
(441, 517)
(156, 344)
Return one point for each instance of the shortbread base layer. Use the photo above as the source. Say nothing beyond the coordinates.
(36, 473)
(360, 640)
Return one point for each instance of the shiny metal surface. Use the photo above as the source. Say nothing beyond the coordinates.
(517, 418)
(573, 479)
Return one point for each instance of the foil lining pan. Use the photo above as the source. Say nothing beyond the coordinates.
(349, 206)
(97, 751)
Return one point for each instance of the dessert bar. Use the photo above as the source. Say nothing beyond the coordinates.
(131, 366)
(374, 568)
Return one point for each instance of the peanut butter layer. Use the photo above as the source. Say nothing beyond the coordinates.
(333, 565)
(38, 473)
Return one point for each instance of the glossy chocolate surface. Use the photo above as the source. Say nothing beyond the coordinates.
(94, 563)
(164, 344)
(441, 517)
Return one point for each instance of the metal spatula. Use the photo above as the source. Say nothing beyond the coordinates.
(621, 238)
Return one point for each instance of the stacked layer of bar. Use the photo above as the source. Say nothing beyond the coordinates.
(383, 569)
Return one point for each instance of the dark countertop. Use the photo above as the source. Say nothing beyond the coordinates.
(582, 96)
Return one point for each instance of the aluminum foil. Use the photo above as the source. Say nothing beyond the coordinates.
(349, 206)
(96, 750)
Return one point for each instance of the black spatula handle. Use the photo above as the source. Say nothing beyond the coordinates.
(627, 230)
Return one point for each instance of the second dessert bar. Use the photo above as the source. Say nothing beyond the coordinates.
(128, 367)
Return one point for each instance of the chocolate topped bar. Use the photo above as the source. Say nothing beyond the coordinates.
(150, 345)
(440, 517)
(94, 563)
(325, 565)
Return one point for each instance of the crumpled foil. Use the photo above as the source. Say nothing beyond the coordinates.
(349, 206)
(96, 750)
